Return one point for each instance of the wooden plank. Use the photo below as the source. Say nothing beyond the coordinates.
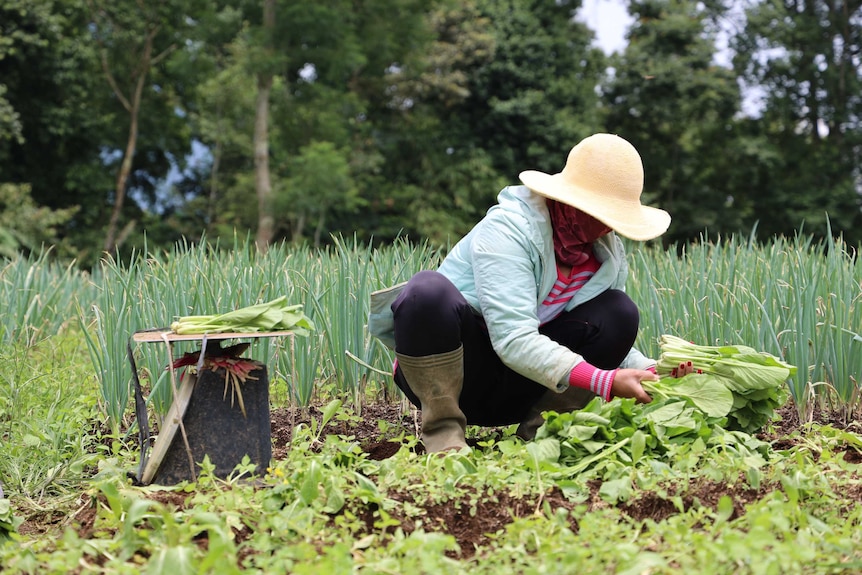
(151, 336)
(170, 425)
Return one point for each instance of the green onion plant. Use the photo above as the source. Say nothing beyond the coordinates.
(39, 297)
(795, 298)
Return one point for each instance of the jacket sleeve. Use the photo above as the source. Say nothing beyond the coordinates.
(636, 360)
(505, 271)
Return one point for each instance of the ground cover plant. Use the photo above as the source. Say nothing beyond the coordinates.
(664, 488)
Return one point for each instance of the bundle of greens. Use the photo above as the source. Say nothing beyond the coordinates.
(755, 380)
(275, 315)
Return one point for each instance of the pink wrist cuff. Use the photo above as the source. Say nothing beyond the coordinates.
(599, 381)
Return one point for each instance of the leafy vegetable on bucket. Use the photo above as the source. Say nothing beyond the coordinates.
(275, 315)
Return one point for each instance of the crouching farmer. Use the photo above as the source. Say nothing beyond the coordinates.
(528, 312)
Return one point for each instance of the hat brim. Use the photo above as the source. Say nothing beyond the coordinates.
(630, 219)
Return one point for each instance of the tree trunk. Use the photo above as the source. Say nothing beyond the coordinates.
(263, 186)
(214, 183)
(133, 106)
(298, 228)
(318, 231)
(122, 178)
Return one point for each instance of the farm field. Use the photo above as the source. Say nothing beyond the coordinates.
(358, 495)
(617, 488)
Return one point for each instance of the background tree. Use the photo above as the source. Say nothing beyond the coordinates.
(406, 117)
(221, 110)
(327, 60)
(340, 56)
(25, 226)
(225, 125)
(320, 185)
(50, 137)
(438, 178)
(507, 86)
(134, 37)
(803, 58)
(264, 72)
(668, 97)
(536, 98)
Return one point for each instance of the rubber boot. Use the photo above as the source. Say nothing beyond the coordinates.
(570, 400)
(437, 381)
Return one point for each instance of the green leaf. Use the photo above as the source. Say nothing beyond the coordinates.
(645, 562)
(176, 560)
(544, 450)
(308, 491)
(746, 373)
(638, 445)
(9, 522)
(367, 486)
(616, 490)
(593, 446)
(755, 379)
(706, 392)
(334, 499)
(664, 413)
(329, 411)
(588, 461)
(580, 432)
(275, 315)
(31, 440)
(587, 417)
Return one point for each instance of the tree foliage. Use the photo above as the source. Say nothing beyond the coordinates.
(49, 75)
(25, 226)
(676, 106)
(391, 118)
(804, 59)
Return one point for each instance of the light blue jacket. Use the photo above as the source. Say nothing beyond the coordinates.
(505, 267)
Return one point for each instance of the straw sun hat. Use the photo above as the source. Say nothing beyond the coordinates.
(603, 177)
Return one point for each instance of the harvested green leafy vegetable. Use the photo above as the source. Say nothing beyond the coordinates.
(275, 315)
(734, 395)
(704, 391)
(755, 379)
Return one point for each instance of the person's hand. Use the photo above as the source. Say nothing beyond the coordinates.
(627, 383)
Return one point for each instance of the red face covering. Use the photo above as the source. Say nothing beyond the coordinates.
(574, 232)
